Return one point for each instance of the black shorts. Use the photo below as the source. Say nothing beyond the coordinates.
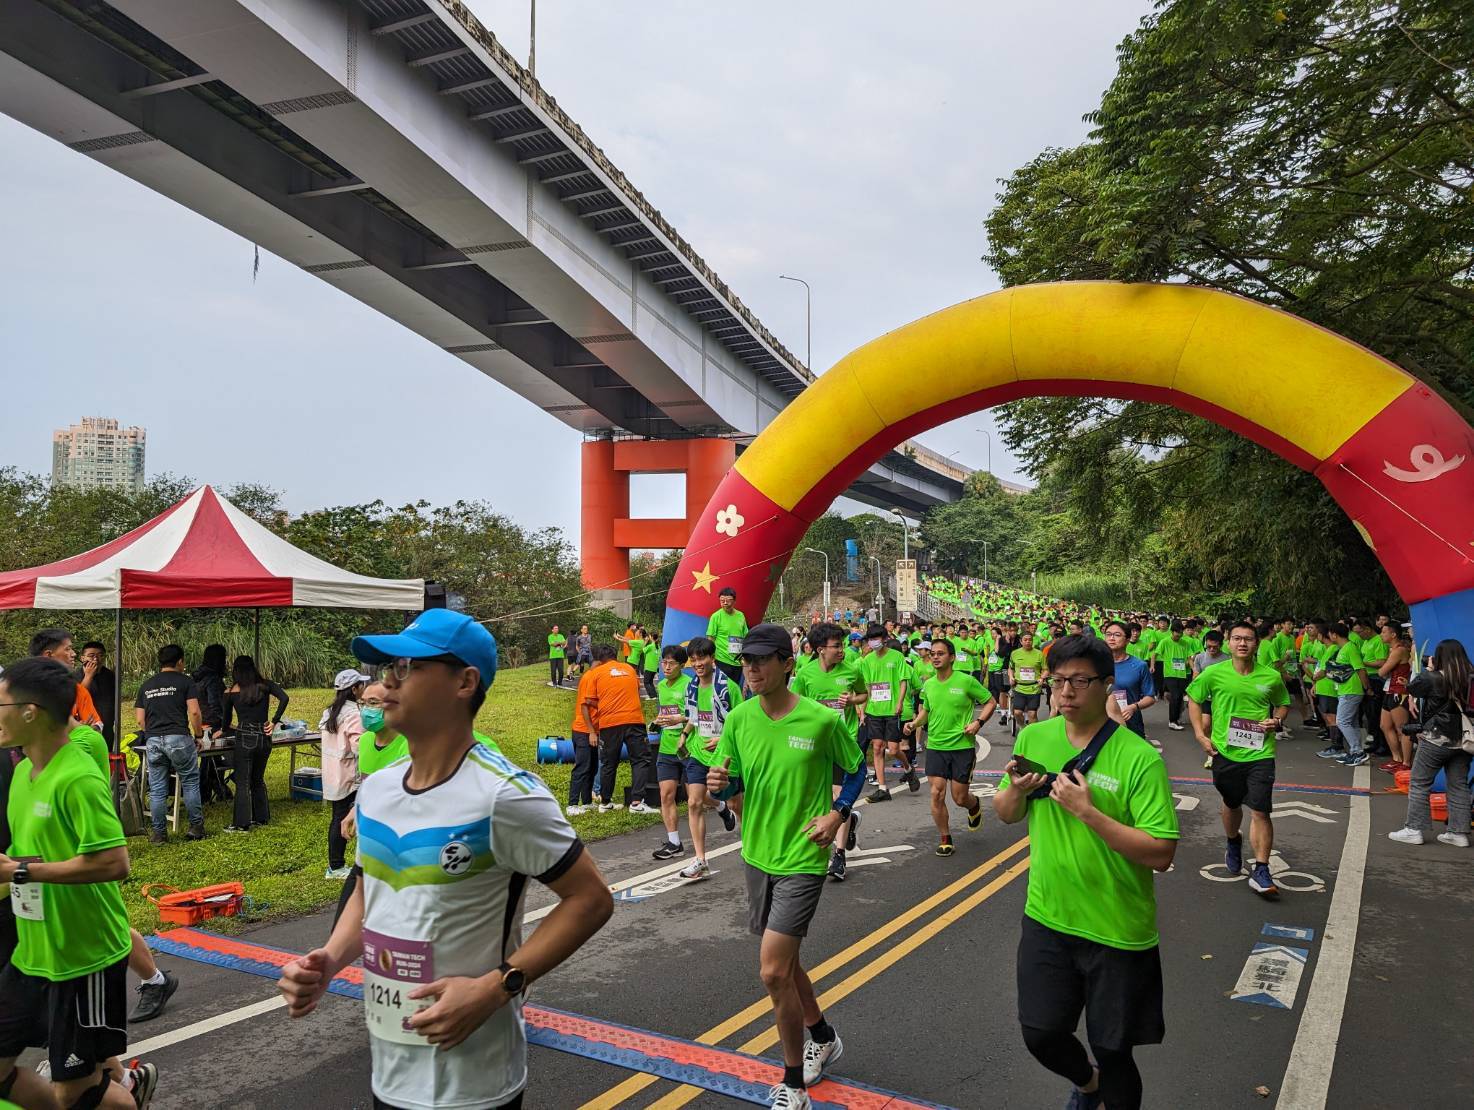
(782, 903)
(1250, 783)
(1326, 703)
(1026, 703)
(886, 730)
(672, 768)
(1120, 990)
(997, 683)
(80, 1022)
(952, 764)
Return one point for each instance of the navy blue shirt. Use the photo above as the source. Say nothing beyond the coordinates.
(1134, 680)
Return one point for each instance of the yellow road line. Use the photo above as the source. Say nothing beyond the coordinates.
(769, 1037)
(764, 1006)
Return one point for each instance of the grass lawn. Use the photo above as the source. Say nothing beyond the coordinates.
(282, 864)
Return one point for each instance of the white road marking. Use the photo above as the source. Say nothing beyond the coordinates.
(1307, 1081)
(208, 1025)
(1271, 975)
(1306, 810)
(867, 861)
(1186, 803)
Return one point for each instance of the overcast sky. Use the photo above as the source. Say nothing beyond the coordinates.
(828, 140)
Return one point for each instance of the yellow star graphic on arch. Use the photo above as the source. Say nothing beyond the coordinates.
(704, 578)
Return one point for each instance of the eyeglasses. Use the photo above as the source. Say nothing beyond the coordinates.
(400, 669)
(1079, 683)
(5, 703)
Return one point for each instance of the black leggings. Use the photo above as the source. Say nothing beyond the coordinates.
(1176, 688)
(650, 683)
(555, 671)
(1063, 1054)
(337, 842)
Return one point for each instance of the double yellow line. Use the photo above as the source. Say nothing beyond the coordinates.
(847, 986)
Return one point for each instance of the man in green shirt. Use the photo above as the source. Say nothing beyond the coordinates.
(884, 673)
(1090, 919)
(1250, 704)
(653, 664)
(835, 683)
(557, 656)
(1172, 653)
(710, 696)
(65, 985)
(949, 703)
(726, 627)
(1346, 669)
(672, 767)
(1026, 674)
(784, 748)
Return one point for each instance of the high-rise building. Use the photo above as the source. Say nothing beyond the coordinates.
(98, 454)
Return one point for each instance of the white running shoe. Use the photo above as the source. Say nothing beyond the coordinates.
(788, 1098)
(1453, 839)
(575, 811)
(606, 807)
(1174, 726)
(337, 872)
(817, 1057)
(641, 807)
(696, 869)
(1407, 836)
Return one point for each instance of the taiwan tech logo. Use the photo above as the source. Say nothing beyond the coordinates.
(456, 857)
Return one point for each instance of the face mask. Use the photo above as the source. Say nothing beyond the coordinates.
(372, 717)
(875, 645)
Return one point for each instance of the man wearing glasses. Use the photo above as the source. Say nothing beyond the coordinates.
(1250, 704)
(442, 990)
(783, 747)
(1089, 939)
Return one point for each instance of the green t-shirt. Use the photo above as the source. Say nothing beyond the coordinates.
(1148, 641)
(1138, 649)
(787, 768)
(908, 703)
(995, 660)
(652, 657)
(1077, 884)
(827, 687)
(727, 629)
(556, 643)
(705, 729)
(1030, 663)
(1267, 653)
(1174, 652)
(950, 706)
(965, 658)
(1347, 656)
(91, 741)
(883, 675)
(373, 758)
(637, 653)
(1240, 703)
(67, 811)
(1374, 652)
(672, 695)
(1317, 652)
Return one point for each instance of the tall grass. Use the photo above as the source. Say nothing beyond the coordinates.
(291, 653)
(1109, 591)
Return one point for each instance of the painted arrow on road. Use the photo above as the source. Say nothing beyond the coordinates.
(1306, 810)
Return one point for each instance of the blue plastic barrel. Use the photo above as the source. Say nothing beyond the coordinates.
(559, 749)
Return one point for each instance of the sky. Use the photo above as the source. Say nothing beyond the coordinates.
(829, 140)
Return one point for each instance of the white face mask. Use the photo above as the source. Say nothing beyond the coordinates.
(875, 645)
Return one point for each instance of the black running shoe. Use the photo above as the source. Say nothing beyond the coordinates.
(152, 997)
(729, 819)
(668, 851)
(836, 867)
(853, 834)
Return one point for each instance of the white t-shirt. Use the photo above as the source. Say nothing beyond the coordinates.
(444, 873)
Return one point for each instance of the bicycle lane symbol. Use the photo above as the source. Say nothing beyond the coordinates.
(1285, 877)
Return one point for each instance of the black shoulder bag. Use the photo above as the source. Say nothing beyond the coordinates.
(1082, 762)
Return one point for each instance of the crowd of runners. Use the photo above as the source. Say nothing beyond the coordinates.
(777, 732)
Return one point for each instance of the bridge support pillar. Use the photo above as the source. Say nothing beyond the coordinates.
(608, 533)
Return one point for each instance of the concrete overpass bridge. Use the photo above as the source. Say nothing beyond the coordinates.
(396, 150)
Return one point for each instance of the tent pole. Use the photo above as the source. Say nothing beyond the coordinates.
(118, 682)
(257, 656)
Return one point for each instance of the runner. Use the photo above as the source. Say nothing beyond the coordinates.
(1133, 691)
(884, 673)
(1026, 674)
(442, 991)
(783, 748)
(949, 703)
(726, 627)
(1211, 655)
(1395, 671)
(671, 767)
(1250, 703)
(836, 684)
(1002, 647)
(1089, 939)
(709, 698)
(65, 983)
(1172, 653)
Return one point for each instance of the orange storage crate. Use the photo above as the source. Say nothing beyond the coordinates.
(190, 907)
(1438, 803)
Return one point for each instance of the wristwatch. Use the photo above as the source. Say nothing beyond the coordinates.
(843, 811)
(22, 874)
(514, 980)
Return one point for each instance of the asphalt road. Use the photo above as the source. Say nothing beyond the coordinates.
(914, 959)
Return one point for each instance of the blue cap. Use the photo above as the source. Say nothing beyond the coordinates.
(435, 632)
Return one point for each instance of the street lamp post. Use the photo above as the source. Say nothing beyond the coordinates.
(985, 560)
(990, 446)
(823, 555)
(879, 594)
(808, 321)
(905, 534)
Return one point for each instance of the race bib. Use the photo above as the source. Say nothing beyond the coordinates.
(1123, 699)
(833, 703)
(880, 692)
(994, 661)
(1177, 666)
(1026, 674)
(706, 723)
(734, 644)
(962, 658)
(25, 898)
(1244, 733)
(391, 969)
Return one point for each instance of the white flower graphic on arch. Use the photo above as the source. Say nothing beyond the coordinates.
(730, 521)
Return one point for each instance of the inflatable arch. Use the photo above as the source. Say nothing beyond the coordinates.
(1396, 457)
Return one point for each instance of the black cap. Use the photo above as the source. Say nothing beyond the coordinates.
(875, 632)
(768, 639)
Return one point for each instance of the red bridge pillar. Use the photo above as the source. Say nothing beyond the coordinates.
(608, 533)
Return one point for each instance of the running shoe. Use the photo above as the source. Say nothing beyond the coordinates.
(788, 1098)
(853, 834)
(729, 819)
(1408, 835)
(1453, 839)
(1391, 767)
(1260, 882)
(337, 872)
(837, 867)
(879, 794)
(1334, 751)
(152, 997)
(1233, 857)
(668, 851)
(1174, 726)
(975, 818)
(145, 1082)
(606, 807)
(912, 780)
(696, 869)
(641, 807)
(572, 811)
(1354, 759)
(817, 1057)
(945, 848)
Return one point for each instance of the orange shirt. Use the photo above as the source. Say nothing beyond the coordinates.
(84, 709)
(585, 693)
(617, 694)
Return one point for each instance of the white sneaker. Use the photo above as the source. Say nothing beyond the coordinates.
(337, 872)
(605, 807)
(788, 1098)
(1453, 839)
(696, 869)
(575, 811)
(1174, 726)
(641, 807)
(817, 1057)
(1409, 836)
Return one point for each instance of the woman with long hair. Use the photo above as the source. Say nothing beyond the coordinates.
(1447, 688)
(249, 700)
(341, 726)
(1395, 671)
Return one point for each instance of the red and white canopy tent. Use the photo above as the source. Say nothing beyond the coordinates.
(201, 553)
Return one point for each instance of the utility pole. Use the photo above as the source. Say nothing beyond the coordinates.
(532, 44)
(808, 321)
(985, 560)
(879, 594)
(825, 557)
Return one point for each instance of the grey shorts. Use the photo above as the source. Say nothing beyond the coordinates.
(783, 903)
